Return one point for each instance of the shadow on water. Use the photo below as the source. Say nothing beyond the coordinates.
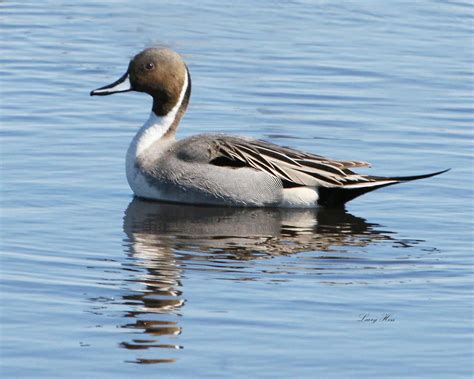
(165, 240)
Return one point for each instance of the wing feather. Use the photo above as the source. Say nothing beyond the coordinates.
(301, 169)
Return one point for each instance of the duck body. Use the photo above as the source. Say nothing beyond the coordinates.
(179, 171)
(220, 169)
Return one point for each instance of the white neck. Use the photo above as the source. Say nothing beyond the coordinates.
(157, 126)
(151, 131)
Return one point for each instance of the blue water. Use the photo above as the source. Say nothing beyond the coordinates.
(96, 284)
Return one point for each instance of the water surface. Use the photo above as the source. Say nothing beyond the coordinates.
(95, 283)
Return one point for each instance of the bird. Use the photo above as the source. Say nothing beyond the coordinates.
(221, 169)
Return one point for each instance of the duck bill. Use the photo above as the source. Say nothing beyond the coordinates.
(121, 85)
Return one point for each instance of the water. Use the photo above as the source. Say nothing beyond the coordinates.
(96, 284)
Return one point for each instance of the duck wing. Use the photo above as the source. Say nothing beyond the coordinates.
(293, 167)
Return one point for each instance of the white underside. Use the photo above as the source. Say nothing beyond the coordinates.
(300, 197)
(140, 185)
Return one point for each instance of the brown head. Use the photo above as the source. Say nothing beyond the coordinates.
(159, 72)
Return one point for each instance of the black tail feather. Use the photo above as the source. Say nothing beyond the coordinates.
(410, 178)
(336, 197)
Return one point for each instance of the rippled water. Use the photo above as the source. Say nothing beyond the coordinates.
(97, 284)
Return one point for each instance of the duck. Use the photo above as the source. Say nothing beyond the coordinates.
(221, 169)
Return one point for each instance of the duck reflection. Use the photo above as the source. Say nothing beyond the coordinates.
(163, 239)
(240, 233)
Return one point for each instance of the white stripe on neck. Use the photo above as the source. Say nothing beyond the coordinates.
(157, 126)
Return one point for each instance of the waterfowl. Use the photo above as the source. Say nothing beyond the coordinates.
(222, 169)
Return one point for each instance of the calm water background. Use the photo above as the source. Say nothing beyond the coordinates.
(95, 285)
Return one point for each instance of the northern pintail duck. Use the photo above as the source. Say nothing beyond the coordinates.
(222, 169)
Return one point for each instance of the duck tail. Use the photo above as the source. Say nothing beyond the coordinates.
(336, 197)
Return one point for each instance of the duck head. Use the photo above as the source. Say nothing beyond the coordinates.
(159, 72)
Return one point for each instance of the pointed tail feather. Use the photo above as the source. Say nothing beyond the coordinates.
(413, 177)
(338, 196)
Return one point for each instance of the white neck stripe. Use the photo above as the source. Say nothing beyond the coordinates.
(157, 126)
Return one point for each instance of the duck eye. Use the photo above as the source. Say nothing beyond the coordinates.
(149, 66)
